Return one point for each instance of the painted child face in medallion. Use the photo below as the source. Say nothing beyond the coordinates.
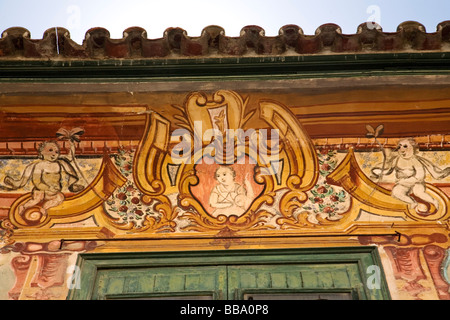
(225, 175)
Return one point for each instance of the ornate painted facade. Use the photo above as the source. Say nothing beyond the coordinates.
(330, 142)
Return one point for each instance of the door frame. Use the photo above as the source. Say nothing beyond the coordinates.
(89, 264)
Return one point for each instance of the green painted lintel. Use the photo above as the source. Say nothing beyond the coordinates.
(238, 68)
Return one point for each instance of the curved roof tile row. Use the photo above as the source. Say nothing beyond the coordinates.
(16, 42)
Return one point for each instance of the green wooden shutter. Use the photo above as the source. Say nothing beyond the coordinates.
(233, 274)
(270, 281)
(162, 282)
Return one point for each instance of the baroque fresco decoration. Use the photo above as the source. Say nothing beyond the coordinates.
(212, 173)
(208, 171)
(410, 195)
(220, 173)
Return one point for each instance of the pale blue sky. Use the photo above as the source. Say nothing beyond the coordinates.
(193, 15)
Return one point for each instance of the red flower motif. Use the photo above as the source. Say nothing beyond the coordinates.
(122, 196)
(123, 209)
(318, 200)
(325, 167)
(135, 200)
(334, 198)
(321, 189)
(328, 209)
(139, 212)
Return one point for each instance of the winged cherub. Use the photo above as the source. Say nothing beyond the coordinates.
(410, 171)
(47, 175)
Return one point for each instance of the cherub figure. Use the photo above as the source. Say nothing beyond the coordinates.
(47, 175)
(410, 170)
(229, 197)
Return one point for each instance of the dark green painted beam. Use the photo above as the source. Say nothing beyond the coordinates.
(242, 68)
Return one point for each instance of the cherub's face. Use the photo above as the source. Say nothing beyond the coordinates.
(225, 176)
(50, 152)
(405, 149)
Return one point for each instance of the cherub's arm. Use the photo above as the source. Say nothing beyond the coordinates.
(389, 167)
(72, 175)
(68, 168)
(68, 164)
(71, 152)
(214, 200)
(13, 184)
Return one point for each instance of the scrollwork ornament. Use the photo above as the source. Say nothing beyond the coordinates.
(6, 232)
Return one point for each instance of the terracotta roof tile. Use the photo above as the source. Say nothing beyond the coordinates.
(16, 42)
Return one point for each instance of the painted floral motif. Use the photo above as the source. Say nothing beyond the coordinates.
(125, 203)
(325, 201)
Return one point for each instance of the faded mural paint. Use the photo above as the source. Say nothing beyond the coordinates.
(128, 187)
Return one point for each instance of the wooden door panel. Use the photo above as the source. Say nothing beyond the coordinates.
(234, 274)
(291, 279)
(161, 282)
